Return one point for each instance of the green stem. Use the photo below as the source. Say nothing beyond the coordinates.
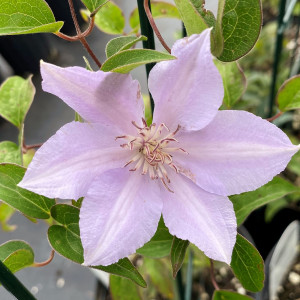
(179, 285)
(147, 30)
(21, 141)
(13, 285)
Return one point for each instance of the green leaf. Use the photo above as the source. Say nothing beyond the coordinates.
(247, 265)
(28, 203)
(227, 295)
(234, 82)
(22, 17)
(122, 288)
(93, 5)
(158, 271)
(27, 157)
(122, 43)
(159, 9)
(6, 213)
(160, 244)
(245, 203)
(78, 203)
(207, 15)
(16, 96)
(16, 255)
(127, 60)
(217, 45)
(207, 18)
(294, 164)
(178, 251)
(10, 153)
(241, 25)
(288, 96)
(273, 208)
(66, 241)
(125, 269)
(109, 18)
(194, 22)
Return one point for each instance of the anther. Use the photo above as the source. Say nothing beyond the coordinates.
(163, 181)
(128, 163)
(178, 128)
(121, 137)
(144, 122)
(130, 144)
(135, 125)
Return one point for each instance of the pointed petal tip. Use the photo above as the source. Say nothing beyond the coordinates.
(24, 184)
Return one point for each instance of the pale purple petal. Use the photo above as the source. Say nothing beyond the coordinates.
(206, 220)
(99, 97)
(187, 91)
(68, 162)
(237, 152)
(119, 215)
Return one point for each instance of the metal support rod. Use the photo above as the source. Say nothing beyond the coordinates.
(179, 285)
(278, 50)
(147, 30)
(13, 285)
(189, 277)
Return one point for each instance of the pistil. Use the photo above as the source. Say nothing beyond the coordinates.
(151, 150)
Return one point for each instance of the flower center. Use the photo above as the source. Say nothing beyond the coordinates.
(152, 149)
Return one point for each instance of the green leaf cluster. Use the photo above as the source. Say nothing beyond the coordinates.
(235, 31)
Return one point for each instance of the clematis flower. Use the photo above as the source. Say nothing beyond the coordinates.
(183, 166)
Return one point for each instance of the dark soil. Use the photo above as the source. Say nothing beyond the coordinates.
(290, 289)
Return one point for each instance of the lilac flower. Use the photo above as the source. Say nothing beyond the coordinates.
(183, 166)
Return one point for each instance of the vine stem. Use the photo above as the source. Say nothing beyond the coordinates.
(275, 117)
(77, 37)
(154, 27)
(81, 36)
(28, 147)
(212, 275)
(45, 263)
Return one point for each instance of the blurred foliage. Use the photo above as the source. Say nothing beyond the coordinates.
(257, 66)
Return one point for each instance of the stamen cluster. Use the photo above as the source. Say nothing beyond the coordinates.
(152, 148)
